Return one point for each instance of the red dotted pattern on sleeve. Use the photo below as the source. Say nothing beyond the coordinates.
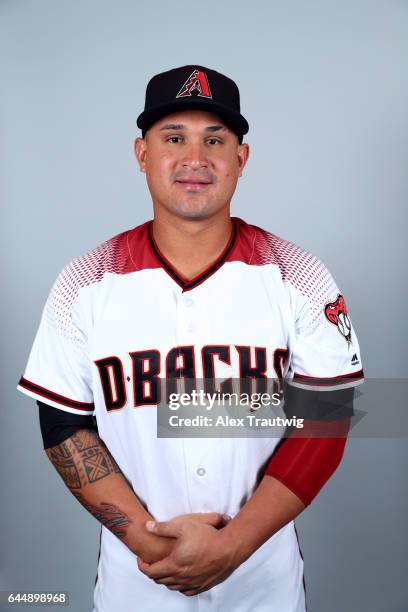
(298, 267)
(81, 272)
(127, 252)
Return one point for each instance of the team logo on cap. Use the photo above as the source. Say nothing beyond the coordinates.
(196, 82)
(336, 313)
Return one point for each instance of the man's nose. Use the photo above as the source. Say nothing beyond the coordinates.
(195, 155)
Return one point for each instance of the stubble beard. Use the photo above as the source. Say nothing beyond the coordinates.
(192, 211)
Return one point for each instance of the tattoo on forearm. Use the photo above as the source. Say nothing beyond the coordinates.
(84, 439)
(108, 514)
(82, 459)
(115, 466)
(64, 463)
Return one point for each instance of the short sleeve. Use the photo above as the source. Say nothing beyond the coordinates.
(325, 354)
(58, 371)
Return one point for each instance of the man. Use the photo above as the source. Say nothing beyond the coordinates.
(195, 293)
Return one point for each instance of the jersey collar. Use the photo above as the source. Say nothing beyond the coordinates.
(197, 280)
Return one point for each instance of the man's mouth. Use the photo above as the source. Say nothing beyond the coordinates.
(193, 184)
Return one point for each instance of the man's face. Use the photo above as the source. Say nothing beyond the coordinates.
(192, 162)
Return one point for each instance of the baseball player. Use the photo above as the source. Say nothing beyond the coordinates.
(190, 524)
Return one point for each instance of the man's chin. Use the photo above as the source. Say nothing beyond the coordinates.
(189, 211)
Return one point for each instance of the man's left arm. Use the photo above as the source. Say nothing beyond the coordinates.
(204, 557)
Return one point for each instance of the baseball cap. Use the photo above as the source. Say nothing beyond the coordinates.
(192, 87)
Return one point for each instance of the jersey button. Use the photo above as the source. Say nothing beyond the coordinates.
(201, 471)
(188, 302)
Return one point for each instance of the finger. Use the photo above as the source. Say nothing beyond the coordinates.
(174, 587)
(170, 529)
(225, 519)
(142, 565)
(184, 582)
(160, 569)
(190, 593)
(215, 519)
(172, 580)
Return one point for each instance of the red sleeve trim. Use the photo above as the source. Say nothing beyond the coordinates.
(328, 380)
(59, 399)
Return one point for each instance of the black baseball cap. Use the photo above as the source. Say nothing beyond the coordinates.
(192, 87)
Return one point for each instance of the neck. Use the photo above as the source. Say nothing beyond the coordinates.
(191, 245)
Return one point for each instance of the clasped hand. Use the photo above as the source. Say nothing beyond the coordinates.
(200, 558)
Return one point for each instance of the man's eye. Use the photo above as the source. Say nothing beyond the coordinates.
(213, 141)
(174, 139)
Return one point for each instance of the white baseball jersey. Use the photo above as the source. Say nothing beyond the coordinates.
(120, 314)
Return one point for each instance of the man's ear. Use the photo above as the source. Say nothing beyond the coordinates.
(140, 153)
(243, 154)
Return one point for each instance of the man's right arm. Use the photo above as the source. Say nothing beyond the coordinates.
(89, 470)
(92, 475)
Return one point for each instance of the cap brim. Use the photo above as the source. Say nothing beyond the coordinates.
(232, 118)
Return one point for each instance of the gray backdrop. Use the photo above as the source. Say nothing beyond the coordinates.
(324, 87)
